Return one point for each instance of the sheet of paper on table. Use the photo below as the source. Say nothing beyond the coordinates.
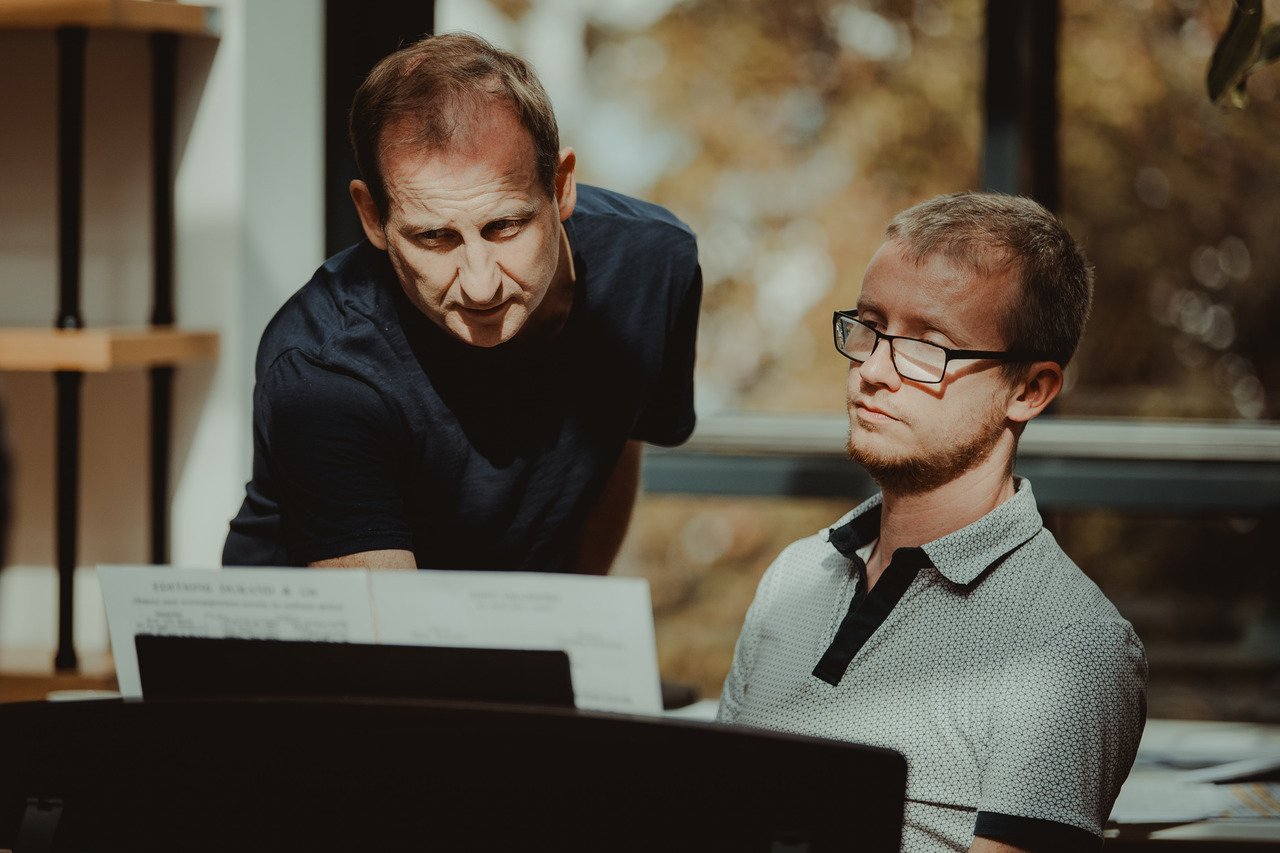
(1153, 798)
(604, 624)
(1192, 744)
(1190, 770)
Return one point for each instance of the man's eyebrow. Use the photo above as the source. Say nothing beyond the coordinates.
(523, 210)
(934, 322)
(409, 225)
(423, 220)
(863, 306)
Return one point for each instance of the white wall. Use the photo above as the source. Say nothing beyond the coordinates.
(249, 232)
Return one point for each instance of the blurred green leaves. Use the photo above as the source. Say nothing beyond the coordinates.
(1245, 47)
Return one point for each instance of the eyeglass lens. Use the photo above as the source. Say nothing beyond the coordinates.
(912, 359)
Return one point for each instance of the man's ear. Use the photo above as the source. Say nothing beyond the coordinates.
(370, 217)
(1039, 385)
(566, 183)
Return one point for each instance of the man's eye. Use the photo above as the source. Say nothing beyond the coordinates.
(503, 226)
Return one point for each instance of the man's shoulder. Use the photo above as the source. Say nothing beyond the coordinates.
(627, 222)
(1059, 583)
(638, 265)
(1012, 571)
(596, 201)
(346, 296)
(1060, 606)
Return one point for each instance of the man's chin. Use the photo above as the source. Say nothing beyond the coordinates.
(901, 476)
(870, 449)
(915, 474)
(482, 341)
(879, 466)
(480, 334)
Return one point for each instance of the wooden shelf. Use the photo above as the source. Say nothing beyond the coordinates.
(27, 674)
(102, 349)
(145, 15)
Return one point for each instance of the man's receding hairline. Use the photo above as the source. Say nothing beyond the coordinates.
(463, 113)
(985, 257)
(1007, 266)
(417, 142)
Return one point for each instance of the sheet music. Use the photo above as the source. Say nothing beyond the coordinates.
(604, 624)
(272, 604)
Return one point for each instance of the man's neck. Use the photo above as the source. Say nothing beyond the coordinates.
(562, 286)
(911, 520)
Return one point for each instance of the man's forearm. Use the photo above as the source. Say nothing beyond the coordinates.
(389, 559)
(606, 527)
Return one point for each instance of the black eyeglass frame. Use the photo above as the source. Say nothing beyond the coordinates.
(951, 354)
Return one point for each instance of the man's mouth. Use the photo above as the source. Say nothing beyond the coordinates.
(491, 311)
(870, 412)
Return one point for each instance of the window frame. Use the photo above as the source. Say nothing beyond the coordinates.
(1157, 466)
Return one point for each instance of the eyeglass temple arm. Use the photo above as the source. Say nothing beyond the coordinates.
(998, 355)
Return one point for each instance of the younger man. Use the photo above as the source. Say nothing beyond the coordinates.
(940, 618)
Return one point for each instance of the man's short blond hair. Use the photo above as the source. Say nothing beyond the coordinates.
(996, 234)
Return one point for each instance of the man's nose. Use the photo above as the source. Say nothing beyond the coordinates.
(479, 275)
(878, 369)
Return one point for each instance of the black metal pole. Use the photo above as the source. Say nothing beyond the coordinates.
(68, 499)
(1020, 97)
(71, 52)
(1000, 101)
(357, 34)
(71, 49)
(1042, 104)
(164, 53)
(164, 60)
(161, 425)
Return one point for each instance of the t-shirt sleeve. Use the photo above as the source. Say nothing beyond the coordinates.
(668, 417)
(334, 459)
(1064, 738)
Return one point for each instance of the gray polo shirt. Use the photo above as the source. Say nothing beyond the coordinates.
(1011, 684)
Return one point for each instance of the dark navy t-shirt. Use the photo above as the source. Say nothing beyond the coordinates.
(374, 429)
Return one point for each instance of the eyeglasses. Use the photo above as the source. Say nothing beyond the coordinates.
(919, 361)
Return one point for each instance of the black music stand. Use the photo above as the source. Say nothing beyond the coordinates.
(201, 668)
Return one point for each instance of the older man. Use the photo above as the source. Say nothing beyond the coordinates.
(468, 388)
(940, 618)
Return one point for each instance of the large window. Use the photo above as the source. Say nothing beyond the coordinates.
(787, 134)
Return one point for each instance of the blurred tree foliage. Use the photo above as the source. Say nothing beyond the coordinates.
(1174, 199)
(807, 125)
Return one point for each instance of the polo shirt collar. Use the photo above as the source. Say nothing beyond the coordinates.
(960, 556)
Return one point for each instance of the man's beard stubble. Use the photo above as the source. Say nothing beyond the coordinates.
(931, 468)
